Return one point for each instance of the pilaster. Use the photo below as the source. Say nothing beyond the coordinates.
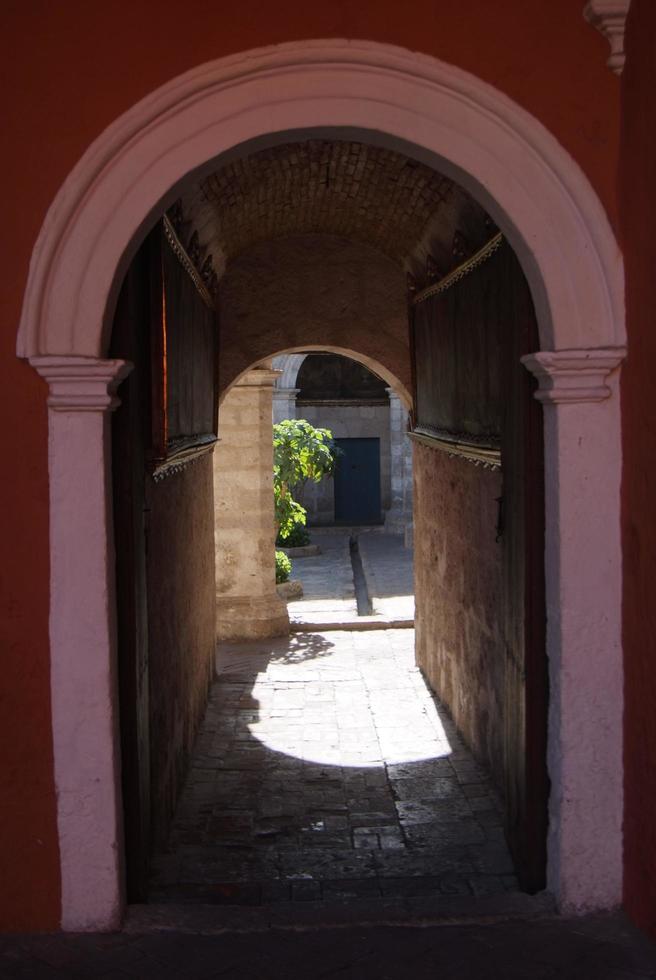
(398, 519)
(82, 638)
(583, 561)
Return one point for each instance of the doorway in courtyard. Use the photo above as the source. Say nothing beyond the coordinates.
(372, 481)
(324, 764)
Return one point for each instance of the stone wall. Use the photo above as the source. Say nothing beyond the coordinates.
(314, 292)
(347, 422)
(247, 604)
(459, 639)
(181, 626)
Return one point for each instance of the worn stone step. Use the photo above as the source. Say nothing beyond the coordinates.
(410, 911)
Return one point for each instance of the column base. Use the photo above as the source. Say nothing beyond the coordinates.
(251, 617)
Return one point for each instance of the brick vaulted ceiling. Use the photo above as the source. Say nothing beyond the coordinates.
(342, 188)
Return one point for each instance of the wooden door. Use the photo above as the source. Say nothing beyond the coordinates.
(474, 396)
(522, 538)
(130, 425)
(165, 325)
(357, 482)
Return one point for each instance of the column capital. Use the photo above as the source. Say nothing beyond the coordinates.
(258, 378)
(573, 375)
(285, 393)
(609, 18)
(81, 384)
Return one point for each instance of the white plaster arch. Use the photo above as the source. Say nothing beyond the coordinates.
(547, 208)
(461, 125)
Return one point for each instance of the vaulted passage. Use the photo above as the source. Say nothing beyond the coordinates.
(324, 764)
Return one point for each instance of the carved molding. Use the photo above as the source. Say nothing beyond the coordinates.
(81, 384)
(282, 394)
(462, 270)
(179, 458)
(473, 452)
(609, 18)
(189, 261)
(573, 376)
(194, 256)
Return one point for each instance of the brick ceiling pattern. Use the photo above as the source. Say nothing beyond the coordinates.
(422, 220)
(354, 190)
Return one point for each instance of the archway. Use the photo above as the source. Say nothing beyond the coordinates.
(391, 406)
(554, 221)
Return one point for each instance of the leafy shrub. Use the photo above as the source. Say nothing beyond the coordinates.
(300, 453)
(283, 567)
(298, 537)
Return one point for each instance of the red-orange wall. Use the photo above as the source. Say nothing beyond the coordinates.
(68, 69)
(637, 185)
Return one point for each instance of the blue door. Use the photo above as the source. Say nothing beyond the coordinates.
(357, 482)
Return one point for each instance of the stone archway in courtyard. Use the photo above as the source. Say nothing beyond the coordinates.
(396, 474)
(551, 216)
(247, 604)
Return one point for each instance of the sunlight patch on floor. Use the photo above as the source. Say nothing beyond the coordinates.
(348, 708)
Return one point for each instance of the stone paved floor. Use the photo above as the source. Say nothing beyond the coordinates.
(325, 770)
(328, 587)
(596, 948)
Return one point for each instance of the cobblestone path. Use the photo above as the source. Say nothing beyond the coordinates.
(325, 769)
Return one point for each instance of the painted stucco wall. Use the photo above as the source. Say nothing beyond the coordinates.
(638, 201)
(313, 289)
(529, 49)
(180, 564)
(459, 644)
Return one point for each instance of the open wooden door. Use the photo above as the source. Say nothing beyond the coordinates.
(474, 399)
(166, 326)
(130, 427)
(522, 537)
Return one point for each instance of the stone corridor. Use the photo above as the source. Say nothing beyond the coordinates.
(326, 770)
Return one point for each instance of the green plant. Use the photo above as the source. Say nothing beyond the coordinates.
(283, 567)
(301, 452)
(298, 537)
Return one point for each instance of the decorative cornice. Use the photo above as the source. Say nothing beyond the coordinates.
(188, 264)
(460, 271)
(81, 384)
(182, 456)
(573, 375)
(609, 18)
(476, 452)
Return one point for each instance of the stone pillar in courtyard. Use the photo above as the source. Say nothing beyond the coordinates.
(398, 519)
(284, 403)
(247, 604)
